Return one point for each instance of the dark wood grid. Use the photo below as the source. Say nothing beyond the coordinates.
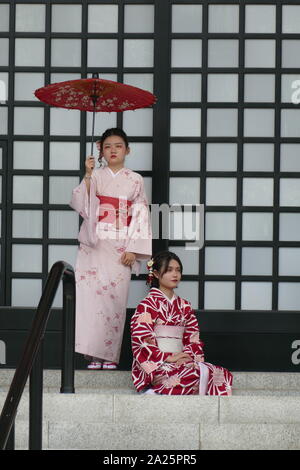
(234, 322)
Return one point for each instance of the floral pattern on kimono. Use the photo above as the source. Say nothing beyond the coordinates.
(149, 368)
(102, 281)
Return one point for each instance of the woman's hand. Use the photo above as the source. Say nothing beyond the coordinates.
(184, 360)
(89, 165)
(179, 358)
(128, 258)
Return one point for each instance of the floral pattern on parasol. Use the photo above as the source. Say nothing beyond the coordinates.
(95, 94)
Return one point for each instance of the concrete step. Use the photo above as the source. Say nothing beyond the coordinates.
(106, 413)
(124, 421)
(119, 381)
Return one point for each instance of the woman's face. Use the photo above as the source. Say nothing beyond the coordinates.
(114, 150)
(171, 278)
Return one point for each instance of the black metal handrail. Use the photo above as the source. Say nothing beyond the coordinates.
(31, 360)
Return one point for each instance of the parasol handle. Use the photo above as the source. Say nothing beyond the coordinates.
(93, 129)
(94, 99)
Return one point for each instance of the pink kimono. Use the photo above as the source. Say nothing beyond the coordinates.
(102, 281)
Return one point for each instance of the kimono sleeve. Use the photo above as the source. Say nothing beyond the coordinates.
(139, 230)
(86, 205)
(144, 346)
(81, 201)
(191, 341)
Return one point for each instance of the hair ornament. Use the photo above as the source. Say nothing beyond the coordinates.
(100, 158)
(150, 269)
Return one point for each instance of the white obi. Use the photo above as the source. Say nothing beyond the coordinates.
(169, 338)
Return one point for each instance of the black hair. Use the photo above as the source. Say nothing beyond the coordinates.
(161, 263)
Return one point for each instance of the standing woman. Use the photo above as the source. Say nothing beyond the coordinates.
(114, 236)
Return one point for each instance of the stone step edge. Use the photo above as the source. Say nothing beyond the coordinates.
(121, 390)
(280, 382)
(97, 380)
(204, 436)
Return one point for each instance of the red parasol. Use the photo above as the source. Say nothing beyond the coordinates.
(95, 94)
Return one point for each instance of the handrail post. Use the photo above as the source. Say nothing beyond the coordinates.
(36, 402)
(68, 353)
(32, 356)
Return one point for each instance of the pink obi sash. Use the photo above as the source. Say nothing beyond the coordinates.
(114, 209)
(169, 338)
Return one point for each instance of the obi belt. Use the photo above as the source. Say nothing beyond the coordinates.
(114, 210)
(169, 338)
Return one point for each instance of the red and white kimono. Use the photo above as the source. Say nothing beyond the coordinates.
(160, 327)
(102, 281)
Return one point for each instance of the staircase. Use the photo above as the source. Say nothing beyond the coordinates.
(106, 413)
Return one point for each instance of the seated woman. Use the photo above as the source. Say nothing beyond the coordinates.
(168, 356)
